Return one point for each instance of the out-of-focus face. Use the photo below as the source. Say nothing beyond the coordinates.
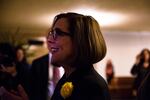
(60, 43)
(20, 55)
(146, 55)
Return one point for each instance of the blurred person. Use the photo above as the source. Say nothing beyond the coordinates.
(9, 77)
(7, 65)
(140, 69)
(109, 70)
(41, 83)
(76, 43)
(21, 59)
(44, 78)
(22, 65)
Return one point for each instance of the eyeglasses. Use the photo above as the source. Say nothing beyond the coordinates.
(57, 33)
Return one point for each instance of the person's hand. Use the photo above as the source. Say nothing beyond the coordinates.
(2, 68)
(20, 94)
(9, 69)
(137, 61)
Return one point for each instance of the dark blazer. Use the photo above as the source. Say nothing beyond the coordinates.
(39, 79)
(87, 83)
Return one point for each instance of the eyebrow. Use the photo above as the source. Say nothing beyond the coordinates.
(58, 29)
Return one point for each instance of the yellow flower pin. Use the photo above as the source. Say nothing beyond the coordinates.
(66, 90)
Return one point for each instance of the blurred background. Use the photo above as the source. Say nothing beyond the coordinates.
(125, 25)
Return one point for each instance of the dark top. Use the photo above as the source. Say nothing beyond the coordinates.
(23, 74)
(144, 89)
(140, 73)
(39, 79)
(21, 77)
(88, 85)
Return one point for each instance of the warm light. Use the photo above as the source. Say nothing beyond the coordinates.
(104, 18)
(44, 40)
(33, 47)
(41, 39)
(45, 20)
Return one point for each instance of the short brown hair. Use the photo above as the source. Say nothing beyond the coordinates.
(87, 37)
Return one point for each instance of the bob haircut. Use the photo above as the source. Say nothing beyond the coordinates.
(86, 36)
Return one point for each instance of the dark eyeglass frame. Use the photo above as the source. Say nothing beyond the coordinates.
(58, 33)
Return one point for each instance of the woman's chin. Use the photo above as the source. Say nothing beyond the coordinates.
(55, 64)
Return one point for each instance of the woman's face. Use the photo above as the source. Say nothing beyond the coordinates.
(146, 55)
(61, 46)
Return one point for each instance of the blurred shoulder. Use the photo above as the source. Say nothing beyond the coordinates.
(45, 57)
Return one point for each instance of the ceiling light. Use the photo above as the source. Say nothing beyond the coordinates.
(104, 18)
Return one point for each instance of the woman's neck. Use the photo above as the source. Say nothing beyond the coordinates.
(69, 70)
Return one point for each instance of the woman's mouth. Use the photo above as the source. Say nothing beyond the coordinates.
(54, 49)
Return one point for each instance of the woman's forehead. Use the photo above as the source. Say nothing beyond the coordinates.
(61, 23)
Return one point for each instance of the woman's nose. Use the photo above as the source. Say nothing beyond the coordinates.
(50, 39)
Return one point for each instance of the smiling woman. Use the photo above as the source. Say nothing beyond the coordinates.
(76, 43)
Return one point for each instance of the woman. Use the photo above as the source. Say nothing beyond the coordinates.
(140, 69)
(76, 43)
